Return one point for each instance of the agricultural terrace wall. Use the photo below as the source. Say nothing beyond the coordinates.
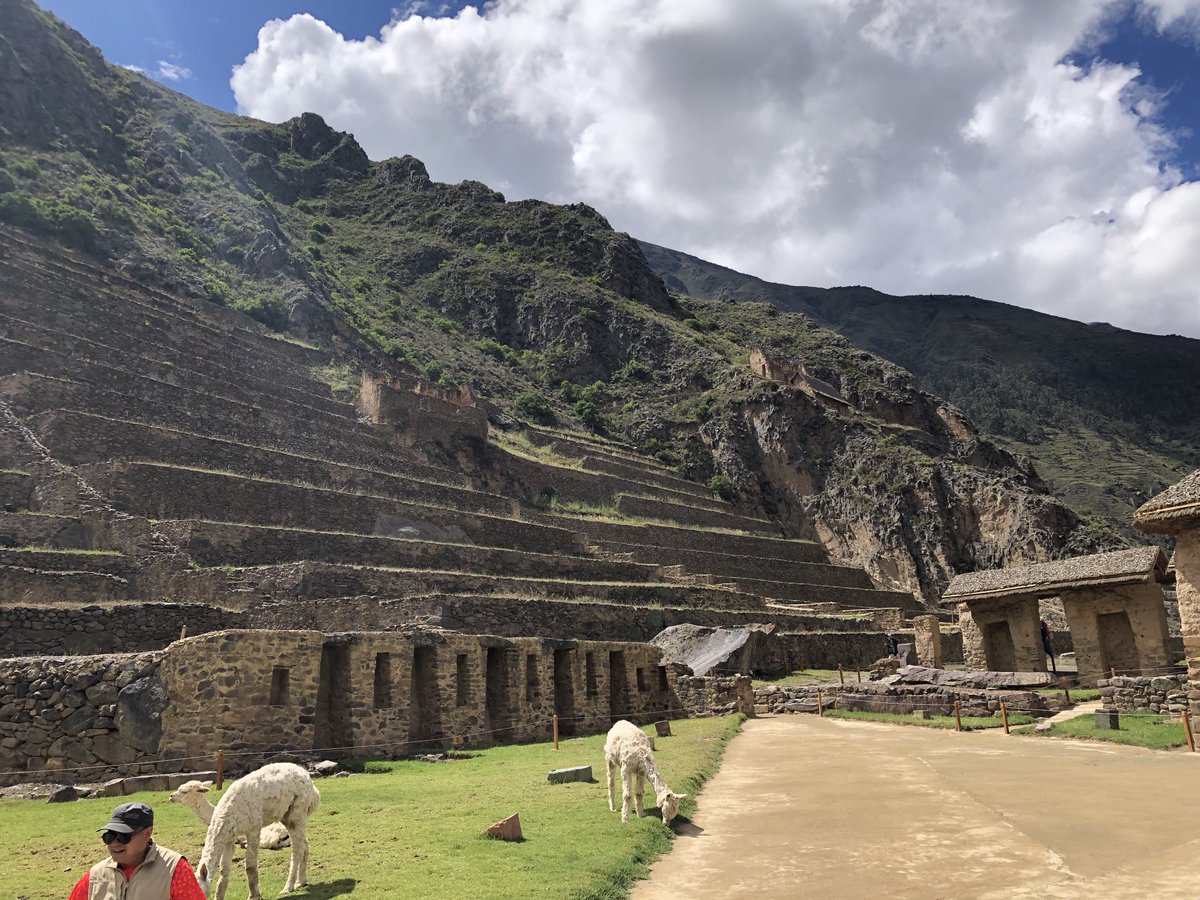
(83, 631)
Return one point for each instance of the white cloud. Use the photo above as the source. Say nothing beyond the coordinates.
(913, 145)
(172, 72)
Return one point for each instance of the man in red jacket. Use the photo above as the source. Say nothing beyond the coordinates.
(137, 868)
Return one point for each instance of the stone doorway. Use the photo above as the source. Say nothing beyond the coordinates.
(499, 721)
(424, 721)
(1118, 647)
(332, 727)
(998, 647)
(564, 692)
(618, 686)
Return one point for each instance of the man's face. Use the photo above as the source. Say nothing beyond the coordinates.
(132, 853)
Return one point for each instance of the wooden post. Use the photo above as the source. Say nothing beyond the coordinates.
(820, 707)
(220, 769)
(183, 632)
(841, 675)
(957, 718)
(1187, 730)
(1112, 671)
(860, 676)
(1066, 692)
(556, 731)
(1004, 716)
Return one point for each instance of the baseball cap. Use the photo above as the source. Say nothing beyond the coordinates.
(130, 817)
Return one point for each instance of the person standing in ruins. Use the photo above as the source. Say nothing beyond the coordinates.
(136, 868)
(1048, 644)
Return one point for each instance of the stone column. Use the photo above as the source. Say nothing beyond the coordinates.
(1187, 588)
(973, 655)
(928, 636)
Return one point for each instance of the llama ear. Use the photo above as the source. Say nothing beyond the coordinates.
(205, 785)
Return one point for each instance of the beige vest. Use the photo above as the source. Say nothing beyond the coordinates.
(150, 881)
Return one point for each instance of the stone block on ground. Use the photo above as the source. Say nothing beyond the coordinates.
(662, 728)
(64, 794)
(507, 829)
(325, 768)
(575, 773)
(1108, 719)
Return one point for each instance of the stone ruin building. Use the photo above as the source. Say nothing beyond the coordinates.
(351, 567)
(1113, 603)
(1176, 512)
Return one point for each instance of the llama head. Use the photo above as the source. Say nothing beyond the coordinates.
(668, 803)
(190, 791)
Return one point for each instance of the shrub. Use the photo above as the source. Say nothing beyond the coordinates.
(532, 405)
(721, 486)
(447, 325)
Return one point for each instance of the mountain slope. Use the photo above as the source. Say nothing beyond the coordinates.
(1107, 415)
(544, 312)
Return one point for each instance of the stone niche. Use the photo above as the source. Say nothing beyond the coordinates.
(406, 411)
(1119, 628)
(1002, 636)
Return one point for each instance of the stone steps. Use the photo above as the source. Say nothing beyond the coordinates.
(661, 510)
(79, 288)
(681, 537)
(632, 472)
(731, 566)
(48, 559)
(78, 438)
(38, 530)
(514, 617)
(191, 411)
(167, 364)
(168, 492)
(23, 585)
(218, 543)
(314, 580)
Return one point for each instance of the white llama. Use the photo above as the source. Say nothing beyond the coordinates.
(193, 795)
(280, 792)
(629, 748)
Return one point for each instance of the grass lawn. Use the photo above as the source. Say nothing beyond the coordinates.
(416, 831)
(1155, 732)
(969, 723)
(803, 677)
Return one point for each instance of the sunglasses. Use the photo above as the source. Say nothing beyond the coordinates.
(119, 836)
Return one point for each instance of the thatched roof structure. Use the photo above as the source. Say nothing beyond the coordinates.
(1142, 564)
(1176, 508)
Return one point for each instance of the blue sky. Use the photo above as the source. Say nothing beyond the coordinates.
(1040, 153)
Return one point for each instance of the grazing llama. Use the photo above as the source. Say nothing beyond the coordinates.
(629, 748)
(280, 792)
(193, 795)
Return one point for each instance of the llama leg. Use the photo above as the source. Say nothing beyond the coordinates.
(626, 791)
(226, 867)
(298, 876)
(640, 793)
(612, 785)
(252, 863)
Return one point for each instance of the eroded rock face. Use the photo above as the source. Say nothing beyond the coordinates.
(912, 507)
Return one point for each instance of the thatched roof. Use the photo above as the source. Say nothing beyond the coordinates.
(1047, 579)
(1176, 508)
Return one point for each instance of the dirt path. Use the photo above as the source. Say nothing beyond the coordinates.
(805, 807)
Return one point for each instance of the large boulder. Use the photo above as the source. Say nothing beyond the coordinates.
(139, 713)
(979, 680)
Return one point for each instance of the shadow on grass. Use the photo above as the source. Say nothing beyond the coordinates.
(327, 890)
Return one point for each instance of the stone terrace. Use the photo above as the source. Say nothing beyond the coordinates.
(159, 451)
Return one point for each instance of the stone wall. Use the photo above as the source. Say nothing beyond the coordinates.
(1163, 693)
(927, 636)
(1187, 592)
(986, 644)
(1139, 646)
(408, 413)
(901, 699)
(82, 631)
(716, 695)
(99, 712)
